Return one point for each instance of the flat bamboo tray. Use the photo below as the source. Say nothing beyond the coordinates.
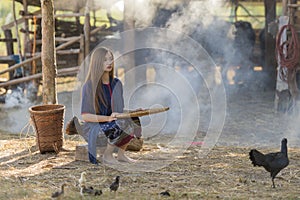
(141, 113)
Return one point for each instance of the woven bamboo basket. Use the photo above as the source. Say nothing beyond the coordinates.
(48, 121)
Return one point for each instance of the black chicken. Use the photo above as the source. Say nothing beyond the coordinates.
(115, 185)
(272, 162)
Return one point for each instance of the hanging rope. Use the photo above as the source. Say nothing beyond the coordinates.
(28, 126)
(287, 53)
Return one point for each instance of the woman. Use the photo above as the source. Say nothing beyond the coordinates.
(102, 100)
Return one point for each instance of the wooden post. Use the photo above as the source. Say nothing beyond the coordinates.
(9, 47)
(48, 53)
(270, 60)
(129, 43)
(26, 35)
(61, 72)
(81, 60)
(292, 11)
(94, 17)
(87, 32)
(284, 8)
(291, 74)
(9, 43)
(81, 50)
(17, 31)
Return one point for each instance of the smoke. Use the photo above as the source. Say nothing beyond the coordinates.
(143, 13)
(15, 98)
(198, 22)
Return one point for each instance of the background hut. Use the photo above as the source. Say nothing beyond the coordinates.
(79, 28)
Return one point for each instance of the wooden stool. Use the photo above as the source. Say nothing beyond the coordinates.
(81, 152)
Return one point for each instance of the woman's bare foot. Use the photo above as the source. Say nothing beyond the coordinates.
(123, 158)
(109, 159)
(126, 159)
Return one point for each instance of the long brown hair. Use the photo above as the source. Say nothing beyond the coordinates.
(95, 74)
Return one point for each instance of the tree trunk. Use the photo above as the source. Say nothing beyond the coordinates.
(48, 53)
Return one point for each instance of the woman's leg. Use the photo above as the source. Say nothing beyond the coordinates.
(92, 139)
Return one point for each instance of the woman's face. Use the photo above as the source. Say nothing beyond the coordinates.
(108, 62)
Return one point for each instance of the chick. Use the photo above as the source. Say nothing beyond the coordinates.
(115, 185)
(82, 180)
(90, 190)
(59, 194)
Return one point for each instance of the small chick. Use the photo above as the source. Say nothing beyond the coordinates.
(82, 180)
(59, 194)
(115, 185)
(90, 190)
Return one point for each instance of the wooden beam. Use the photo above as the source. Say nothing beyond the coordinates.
(60, 72)
(6, 59)
(20, 64)
(77, 39)
(62, 46)
(19, 21)
(294, 5)
(8, 40)
(39, 16)
(70, 15)
(59, 52)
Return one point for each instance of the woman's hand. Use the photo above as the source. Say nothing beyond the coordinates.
(112, 117)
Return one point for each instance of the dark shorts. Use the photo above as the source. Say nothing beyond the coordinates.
(121, 131)
(117, 133)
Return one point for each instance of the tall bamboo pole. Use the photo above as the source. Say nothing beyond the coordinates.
(48, 53)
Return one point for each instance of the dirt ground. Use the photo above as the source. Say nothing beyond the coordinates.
(225, 173)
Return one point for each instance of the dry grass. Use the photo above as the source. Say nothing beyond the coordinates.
(226, 173)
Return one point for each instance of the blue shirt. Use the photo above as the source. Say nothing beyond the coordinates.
(113, 96)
